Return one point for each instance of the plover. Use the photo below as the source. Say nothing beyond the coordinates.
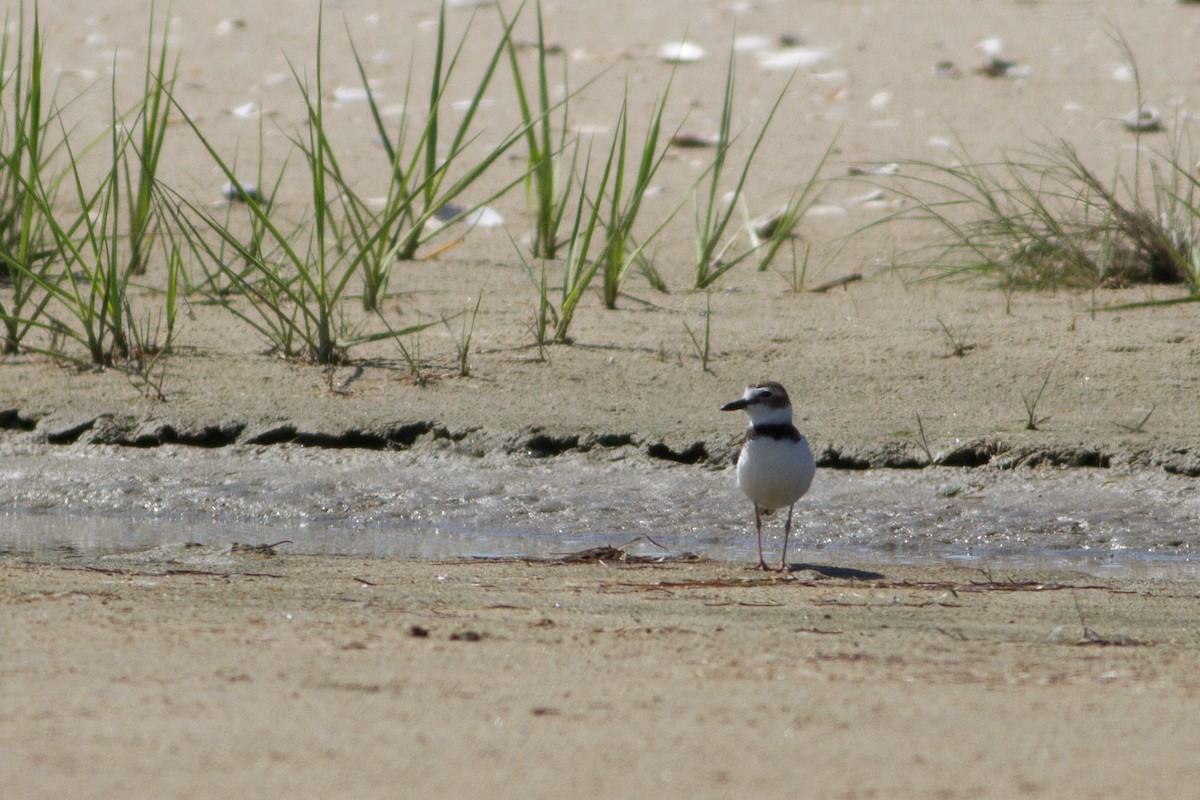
(776, 466)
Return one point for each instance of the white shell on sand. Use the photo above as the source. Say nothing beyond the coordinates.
(228, 26)
(891, 168)
(246, 110)
(1143, 120)
(992, 46)
(792, 58)
(482, 217)
(825, 210)
(750, 43)
(240, 191)
(680, 52)
(351, 94)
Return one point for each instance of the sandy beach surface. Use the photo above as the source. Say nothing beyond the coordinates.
(193, 673)
(205, 669)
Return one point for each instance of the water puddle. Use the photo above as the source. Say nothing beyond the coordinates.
(95, 500)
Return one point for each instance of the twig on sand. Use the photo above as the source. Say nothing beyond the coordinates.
(836, 282)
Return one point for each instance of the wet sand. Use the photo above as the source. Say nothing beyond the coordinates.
(203, 672)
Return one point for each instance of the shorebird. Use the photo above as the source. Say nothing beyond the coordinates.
(776, 466)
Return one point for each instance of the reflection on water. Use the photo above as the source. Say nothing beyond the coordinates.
(98, 499)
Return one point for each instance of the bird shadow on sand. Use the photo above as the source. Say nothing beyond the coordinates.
(844, 573)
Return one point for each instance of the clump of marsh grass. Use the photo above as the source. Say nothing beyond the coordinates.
(296, 274)
(550, 180)
(718, 245)
(423, 184)
(25, 155)
(83, 258)
(1047, 220)
(702, 344)
(463, 338)
(601, 239)
(1031, 400)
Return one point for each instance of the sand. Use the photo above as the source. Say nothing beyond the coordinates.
(198, 673)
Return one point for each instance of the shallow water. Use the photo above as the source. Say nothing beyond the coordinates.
(90, 500)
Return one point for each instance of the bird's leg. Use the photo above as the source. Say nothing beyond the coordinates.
(762, 563)
(787, 530)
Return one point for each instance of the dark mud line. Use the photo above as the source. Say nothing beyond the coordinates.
(538, 442)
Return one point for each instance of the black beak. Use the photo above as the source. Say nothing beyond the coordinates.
(736, 405)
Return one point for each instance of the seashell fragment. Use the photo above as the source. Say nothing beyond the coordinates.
(482, 217)
(879, 169)
(863, 199)
(768, 227)
(946, 70)
(992, 46)
(750, 43)
(1143, 120)
(228, 26)
(680, 53)
(826, 210)
(240, 192)
(352, 94)
(997, 67)
(465, 105)
(246, 110)
(792, 58)
(694, 141)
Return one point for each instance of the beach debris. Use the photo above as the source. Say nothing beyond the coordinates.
(891, 168)
(880, 100)
(260, 550)
(997, 66)
(484, 217)
(680, 53)
(353, 94)
(228, 26)
(751, 43)
(768, 225)
(590, 129)
(549, 48)
(826, 210)
(946, 70)
(869, 199)
(845, 280)
(240, 192)
(481, 217)
(77, 72)
(792, 58)
(246, 110)
(1143, 120)
(466, 105)
(694, 141)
